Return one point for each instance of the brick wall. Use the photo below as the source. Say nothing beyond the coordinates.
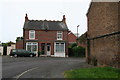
(102, 20)
(71, 38)
(19, 44)
(119, 30)
(46, 37)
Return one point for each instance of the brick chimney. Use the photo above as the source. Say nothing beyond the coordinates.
(64, 19)
(26, 18)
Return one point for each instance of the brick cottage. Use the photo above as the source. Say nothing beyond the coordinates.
(45, 36)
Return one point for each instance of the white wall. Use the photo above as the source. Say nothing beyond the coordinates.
(13, 46)
(9, 48)
(59, 54)
(1, 50)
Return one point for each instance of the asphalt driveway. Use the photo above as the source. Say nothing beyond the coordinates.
(42, 67)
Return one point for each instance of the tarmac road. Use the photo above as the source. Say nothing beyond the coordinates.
(39, 67)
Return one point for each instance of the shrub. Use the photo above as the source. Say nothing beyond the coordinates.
(78, 51)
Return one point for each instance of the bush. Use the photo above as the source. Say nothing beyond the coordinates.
(79, 51)
(73, 45)
(76, 51)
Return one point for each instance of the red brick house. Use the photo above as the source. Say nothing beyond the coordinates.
(46, 36)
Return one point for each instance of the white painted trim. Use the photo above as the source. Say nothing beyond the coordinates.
(61, 35)
(32, 44)
(49, 51)
(59, 54)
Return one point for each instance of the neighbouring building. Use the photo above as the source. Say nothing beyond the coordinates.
(103, 35)
(82, 40)
(45, 36)
(1, 50)
(71, 38)
(9, 48)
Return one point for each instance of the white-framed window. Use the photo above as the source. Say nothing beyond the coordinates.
(59, 35)
(59, 47)
(31, 34)
(32, 46)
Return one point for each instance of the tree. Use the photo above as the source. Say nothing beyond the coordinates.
(8, 43)
(19, 38)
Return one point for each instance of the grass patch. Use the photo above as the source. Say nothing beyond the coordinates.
(97, 72)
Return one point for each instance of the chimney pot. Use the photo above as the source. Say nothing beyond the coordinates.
(26, 17)
(64, 19)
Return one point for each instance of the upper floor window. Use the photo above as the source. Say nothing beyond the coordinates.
(31, 34)
(59, 35)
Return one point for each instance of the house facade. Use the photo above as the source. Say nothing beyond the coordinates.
(45, 36)
(103, 35)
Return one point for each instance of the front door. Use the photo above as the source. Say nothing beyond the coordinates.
(48, 49)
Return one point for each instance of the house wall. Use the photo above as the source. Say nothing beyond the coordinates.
(102, 20)
(47, 37)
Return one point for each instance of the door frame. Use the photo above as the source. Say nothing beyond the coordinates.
(48, 52)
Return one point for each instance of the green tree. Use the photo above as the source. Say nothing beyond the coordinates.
(19, 38)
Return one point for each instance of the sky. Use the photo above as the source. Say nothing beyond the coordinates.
(12, 15)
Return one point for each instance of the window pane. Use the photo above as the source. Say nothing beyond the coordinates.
(35, 43)
(59, 32)
(59, 35)
(28, 43)
(62, 45)
(34, 47)
(59, 47)
(29, 47)
(31, 34)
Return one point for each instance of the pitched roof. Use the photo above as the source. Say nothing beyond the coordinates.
(45, 25)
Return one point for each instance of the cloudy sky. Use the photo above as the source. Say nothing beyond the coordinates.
(12, 13)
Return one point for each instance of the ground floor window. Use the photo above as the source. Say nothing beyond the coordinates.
(60, 47)
(32, 46)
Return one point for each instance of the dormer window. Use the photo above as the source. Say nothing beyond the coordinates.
(59, 35)
(31, 34)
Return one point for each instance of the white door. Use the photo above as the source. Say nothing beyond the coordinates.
(48, 50)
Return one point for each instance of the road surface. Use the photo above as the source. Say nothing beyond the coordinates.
(39, 67)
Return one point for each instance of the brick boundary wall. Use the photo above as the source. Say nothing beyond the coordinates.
(104, 50)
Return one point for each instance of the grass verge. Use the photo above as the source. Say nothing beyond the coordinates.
(97, 72)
